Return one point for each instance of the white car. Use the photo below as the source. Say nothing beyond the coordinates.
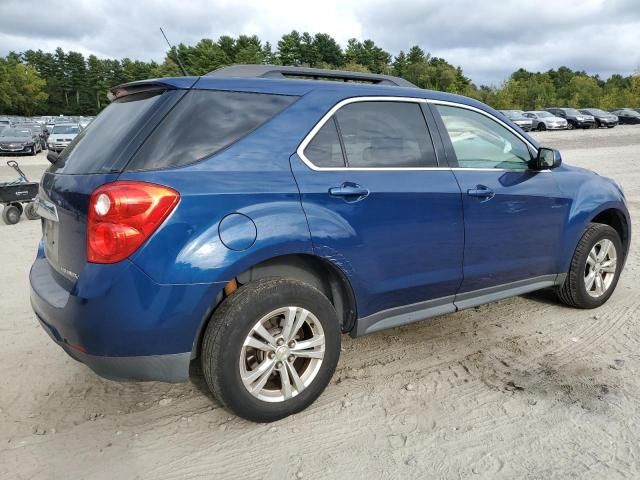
(61, 135)
(546, 121)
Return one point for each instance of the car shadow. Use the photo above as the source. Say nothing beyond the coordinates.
(546, 296)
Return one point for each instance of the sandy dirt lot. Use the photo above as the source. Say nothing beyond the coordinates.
(523, 388)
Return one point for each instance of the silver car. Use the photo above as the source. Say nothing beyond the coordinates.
(517, 117)
(545, 121)
(61, 135)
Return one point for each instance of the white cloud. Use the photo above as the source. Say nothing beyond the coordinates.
(488, 39)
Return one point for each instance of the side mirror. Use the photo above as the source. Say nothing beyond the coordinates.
(548, 158)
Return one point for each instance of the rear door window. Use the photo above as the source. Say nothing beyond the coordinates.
(203, 123)
(383, 134)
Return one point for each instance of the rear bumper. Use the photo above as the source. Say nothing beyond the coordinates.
(173, 368)
(119, 322)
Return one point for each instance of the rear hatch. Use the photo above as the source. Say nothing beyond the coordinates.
(96, 156)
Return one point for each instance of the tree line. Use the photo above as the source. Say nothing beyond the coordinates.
(35, 82)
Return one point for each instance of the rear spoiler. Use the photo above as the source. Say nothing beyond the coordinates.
(155, 85)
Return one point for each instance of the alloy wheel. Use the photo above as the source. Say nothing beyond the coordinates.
(600, 269)
(282, 354)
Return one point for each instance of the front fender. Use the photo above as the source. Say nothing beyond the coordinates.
(591, 194)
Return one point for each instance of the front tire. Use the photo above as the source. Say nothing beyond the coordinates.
(595, 268)
(541, 127)
(271, 348)
(570, 126)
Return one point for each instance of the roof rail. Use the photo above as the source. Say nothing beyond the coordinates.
(279, 71)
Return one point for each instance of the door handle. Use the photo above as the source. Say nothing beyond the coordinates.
(481, 192)
(350, 192)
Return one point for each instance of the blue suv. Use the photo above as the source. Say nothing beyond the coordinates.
(243, 220)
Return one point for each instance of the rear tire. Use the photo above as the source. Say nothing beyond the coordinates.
(234, 352)
(541, 127)
(570, 126)
(579, 289)
(11, 214)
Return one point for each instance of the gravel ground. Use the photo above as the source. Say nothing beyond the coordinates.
(522, 388)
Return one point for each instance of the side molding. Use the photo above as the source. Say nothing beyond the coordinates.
(416, 312)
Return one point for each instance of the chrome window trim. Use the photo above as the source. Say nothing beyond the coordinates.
(307, 139)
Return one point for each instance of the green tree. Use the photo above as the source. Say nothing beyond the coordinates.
(400, 64)
(21, 88)
(308, 53)
(328, 50)
(268, 56)
(251, 54)
(416, 55)
(585, 91)
(289, 49)
(203, 57)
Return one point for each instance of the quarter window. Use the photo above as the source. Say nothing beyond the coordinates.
(205, 122)
(385, 134)
(480, 142)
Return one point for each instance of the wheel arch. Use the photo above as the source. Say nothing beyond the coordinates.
(617, 220)
(311, 269)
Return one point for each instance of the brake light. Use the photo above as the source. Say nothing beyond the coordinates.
(122, 215)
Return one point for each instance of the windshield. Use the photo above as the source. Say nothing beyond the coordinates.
(66, 129)
(595, 111)
(571, 111)
(15, 132)
(543, 114)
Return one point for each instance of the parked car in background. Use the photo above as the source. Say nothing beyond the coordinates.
(545, 121)
(627, 116)
(602, 118)
(62, 135)
(38, 130)
(19, 140)
(245, 223)
(85, 121)
(574, 118)
(517, 117)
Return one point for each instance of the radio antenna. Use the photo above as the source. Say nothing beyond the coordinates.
(175, 50)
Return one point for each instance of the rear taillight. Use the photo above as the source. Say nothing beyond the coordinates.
(122, 215)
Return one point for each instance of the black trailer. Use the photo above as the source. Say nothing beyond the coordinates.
(18, 197)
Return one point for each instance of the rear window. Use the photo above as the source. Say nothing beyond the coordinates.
(98, 149)
(203, 123)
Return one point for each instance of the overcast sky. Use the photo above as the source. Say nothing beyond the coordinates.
(488, 39)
